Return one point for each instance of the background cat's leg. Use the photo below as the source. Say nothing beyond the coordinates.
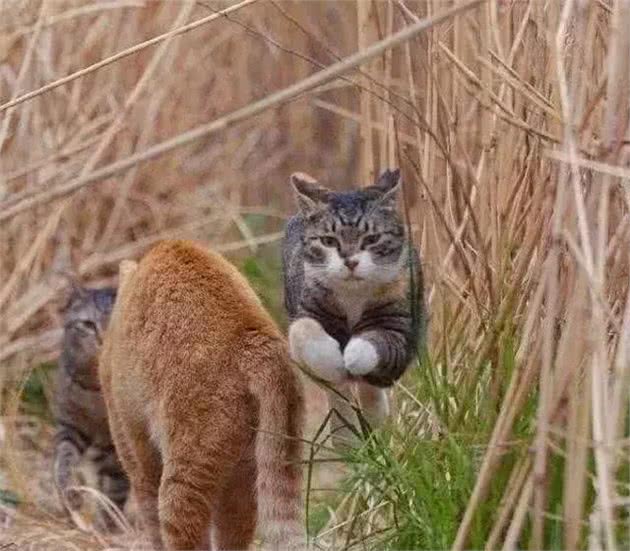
(70, 445)
(112, 481)
(342, 416)
(234, 521)
(142, 463)
(374, 402)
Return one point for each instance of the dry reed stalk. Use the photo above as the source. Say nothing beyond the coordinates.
(514, 530)
(586, 264)
(51, 225)
(548, 349)
(513, 490)
(120, 55)
(577, 457)
(382, 129)
(366, 34)
(519, 384)
(412, 84)
(598, 354)
(387, 147)
(472, 198)
(596, 166)
(24, 68)
(47, 340)
(237, 116)
(481, 487)
(118, 123)
(75, 13)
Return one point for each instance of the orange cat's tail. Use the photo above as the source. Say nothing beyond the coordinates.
(279, 451)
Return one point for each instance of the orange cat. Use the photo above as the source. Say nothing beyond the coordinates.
(204, 408)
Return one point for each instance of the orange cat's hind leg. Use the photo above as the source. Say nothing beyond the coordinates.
(234, 521)
(142, 463)
(197, 472)
(185, 504)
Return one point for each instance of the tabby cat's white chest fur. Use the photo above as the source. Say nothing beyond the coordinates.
(353, 301)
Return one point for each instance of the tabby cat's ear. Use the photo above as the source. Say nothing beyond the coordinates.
(309, 194)
(71, 291)
(388, 184)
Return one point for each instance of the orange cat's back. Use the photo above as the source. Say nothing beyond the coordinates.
(205, 409)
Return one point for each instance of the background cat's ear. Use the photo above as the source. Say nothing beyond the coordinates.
(388, 181)
(70, 292)
(309, 194)
(388, 184)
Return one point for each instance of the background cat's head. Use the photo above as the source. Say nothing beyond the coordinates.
(355, 237)
(86, 316)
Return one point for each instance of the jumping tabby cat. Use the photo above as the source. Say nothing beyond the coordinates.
(353, 291)
(78, 406)
(205, 408)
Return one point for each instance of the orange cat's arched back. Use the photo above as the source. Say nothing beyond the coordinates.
(204, 407)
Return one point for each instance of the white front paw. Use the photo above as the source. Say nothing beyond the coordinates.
(311, 346)
(323, 356)
(360, 356)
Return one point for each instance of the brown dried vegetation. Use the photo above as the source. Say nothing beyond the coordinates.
(510, 121)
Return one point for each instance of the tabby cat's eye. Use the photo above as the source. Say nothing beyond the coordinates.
(328, 241)
(87, 326)
(370, 240)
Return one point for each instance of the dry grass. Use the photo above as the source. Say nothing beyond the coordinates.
(510, 122)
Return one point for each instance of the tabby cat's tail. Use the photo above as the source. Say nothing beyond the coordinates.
(279, 450)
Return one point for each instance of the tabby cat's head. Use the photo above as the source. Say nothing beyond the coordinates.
(86, 316)
(352, 237)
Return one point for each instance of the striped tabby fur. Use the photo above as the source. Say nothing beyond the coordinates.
(79, 408)
(353, 289)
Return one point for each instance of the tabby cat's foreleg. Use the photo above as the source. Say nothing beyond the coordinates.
(312, 346)
(70, 445)
(112, 481)
(379, 357)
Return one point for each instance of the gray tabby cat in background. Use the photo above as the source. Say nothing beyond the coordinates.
(353, 291)
(79, 408)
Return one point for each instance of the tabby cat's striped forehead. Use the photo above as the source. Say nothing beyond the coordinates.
(350, 208)
(350, 214)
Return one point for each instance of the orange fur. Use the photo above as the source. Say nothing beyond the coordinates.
(204, 407)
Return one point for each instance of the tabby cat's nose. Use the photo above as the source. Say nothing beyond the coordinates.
(352, 264)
